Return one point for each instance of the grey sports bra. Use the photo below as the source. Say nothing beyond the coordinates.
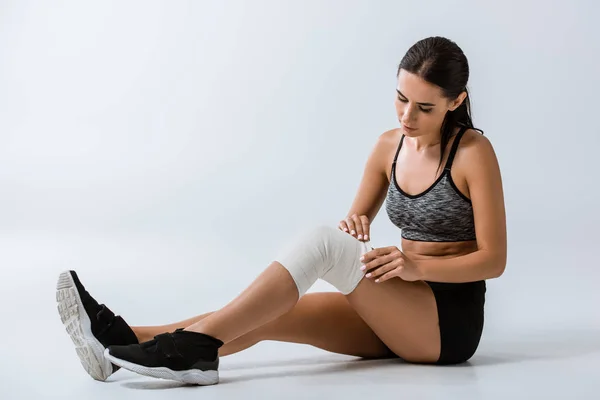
(439, 214)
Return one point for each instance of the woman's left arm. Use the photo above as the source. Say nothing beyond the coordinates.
(487, 198)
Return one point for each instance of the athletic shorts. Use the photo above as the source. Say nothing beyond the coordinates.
(460, 311)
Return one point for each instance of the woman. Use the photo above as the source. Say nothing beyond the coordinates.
(424, 303)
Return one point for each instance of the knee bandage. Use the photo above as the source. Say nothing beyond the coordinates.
(326, 253)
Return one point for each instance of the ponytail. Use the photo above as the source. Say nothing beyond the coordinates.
(460, 117)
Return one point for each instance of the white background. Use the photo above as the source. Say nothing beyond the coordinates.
(167, 149)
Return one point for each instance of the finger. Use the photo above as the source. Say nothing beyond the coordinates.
(378, 254)
(377, 263)
(385, 268)
(389, 275)
(390, 258)
(364, 220)
(343, 226)
(388, 265)
(358, 226)
(369, 255)
(351, 227)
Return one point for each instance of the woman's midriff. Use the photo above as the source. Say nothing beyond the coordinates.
(427, 250)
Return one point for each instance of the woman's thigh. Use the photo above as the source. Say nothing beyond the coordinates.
(402, 314)
(328, 321)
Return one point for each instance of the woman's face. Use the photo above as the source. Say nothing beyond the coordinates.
(420, 105)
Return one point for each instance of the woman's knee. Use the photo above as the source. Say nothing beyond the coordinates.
(324, 236)
(323, 252)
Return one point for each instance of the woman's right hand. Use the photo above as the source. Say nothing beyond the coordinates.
(357, 226)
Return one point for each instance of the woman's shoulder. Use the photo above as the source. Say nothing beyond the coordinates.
(390, 138)
(382, 152)
(474, 142)
(474, 150)
(473, 138)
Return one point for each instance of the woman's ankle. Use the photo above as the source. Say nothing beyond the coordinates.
(143, 333)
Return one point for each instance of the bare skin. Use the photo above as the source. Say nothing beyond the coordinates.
(332, 322)
(395, 314)
(428, 161)
(321, 320)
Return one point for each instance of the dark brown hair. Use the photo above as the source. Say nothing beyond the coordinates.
(441, 62)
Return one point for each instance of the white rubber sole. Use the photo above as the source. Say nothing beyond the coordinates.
(79, 328)
(193, 377)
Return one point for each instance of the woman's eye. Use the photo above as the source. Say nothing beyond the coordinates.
(425, 110)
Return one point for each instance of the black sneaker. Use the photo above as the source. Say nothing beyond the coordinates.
(92, 326)
(183, 356)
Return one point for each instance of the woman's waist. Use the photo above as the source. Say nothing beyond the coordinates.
(471, 287)
(416, 250)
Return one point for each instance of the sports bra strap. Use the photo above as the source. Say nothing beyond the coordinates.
(454, 148)
(398, 151)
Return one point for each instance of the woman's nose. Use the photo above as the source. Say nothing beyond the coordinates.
(407, 118)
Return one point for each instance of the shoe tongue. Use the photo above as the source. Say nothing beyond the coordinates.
(86, 297)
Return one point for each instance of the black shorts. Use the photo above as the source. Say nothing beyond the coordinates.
(460, 312)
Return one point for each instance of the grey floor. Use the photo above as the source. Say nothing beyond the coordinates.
(534, 367)
(542, 337)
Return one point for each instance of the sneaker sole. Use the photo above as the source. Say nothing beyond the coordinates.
(193, 377)
(79, 328)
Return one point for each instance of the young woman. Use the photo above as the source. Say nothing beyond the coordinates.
(441, 183)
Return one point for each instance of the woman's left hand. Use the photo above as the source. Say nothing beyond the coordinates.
(384, 263)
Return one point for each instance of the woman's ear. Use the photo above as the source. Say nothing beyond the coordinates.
(454, 104)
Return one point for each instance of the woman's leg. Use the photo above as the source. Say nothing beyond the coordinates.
(145, 333)
(406, 319)
(402, 314)
(272, 294)
(324, 320)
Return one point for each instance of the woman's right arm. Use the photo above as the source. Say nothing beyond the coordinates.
(372, 189)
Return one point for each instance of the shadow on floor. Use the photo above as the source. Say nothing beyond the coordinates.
(532, 346)
(540, 345)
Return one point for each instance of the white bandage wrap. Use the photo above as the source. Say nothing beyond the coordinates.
(324, 252)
